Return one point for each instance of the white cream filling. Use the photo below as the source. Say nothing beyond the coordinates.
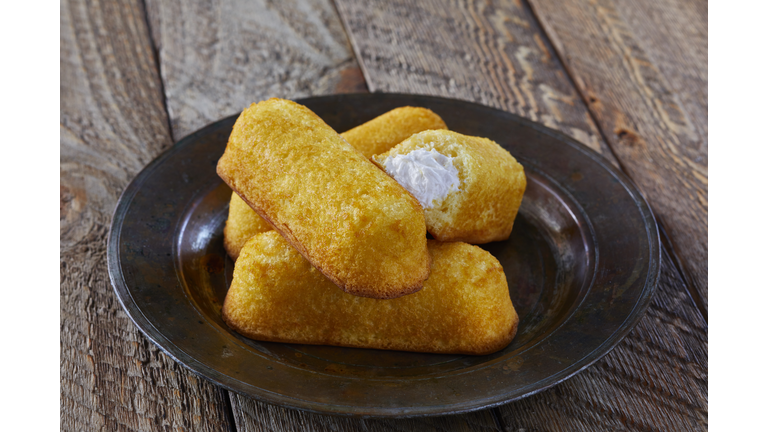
(428, 175)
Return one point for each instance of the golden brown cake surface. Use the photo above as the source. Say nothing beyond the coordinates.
(354, 223)
(464, 307)
(242, 224)
(389, 129)
(491, 190)
(375, 136)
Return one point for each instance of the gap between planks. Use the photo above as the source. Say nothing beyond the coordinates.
(156, 57)
(498, 418)
(351, 42)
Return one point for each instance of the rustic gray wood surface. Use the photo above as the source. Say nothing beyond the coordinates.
(216, 58)
(642, 67)
(256, 416)
(492, 53)
(135, 79)
(112, 124)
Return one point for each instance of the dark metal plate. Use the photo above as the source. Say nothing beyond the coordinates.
(582, 264)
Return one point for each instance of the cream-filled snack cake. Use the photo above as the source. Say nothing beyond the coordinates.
(464, 307)
(350, 220)
(372, 137)
(242, 224)
(391, 128)
(470, 187)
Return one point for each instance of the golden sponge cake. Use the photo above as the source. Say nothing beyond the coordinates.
(483, 206)
(389, 129)
(372, 137)
(350, 220)
(464, 307)
(242, 224)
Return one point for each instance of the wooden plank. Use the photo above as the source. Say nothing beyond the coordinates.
(218, 58)
(643, 68)
(492, 53)
(673, 33)
(400, 46)
(655, 379)
(112, 123)
(274, 418)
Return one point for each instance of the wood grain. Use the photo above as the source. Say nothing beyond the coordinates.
(217, 58)
(490, 52)
(643, 68)
(112, 123)
(274, 418)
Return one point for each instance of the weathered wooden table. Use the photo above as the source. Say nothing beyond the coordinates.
(626, 78)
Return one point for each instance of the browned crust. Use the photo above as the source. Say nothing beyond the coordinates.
(232, 250)
(389, 129)
(386, 294)
(482, 350)
(467, 309)
(242, 224)
(406, 283)
(479, 352)
(374, 136)
(502, 343)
